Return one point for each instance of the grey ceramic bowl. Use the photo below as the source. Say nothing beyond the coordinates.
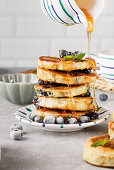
(18, 88)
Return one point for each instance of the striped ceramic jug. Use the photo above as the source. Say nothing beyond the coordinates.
(67, 11)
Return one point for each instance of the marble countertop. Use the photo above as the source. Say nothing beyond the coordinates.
(43, 150)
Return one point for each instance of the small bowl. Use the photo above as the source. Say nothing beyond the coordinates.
(18, 88)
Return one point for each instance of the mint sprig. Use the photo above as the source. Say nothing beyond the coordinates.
(75, 57)
(68, 57)
(99, 143)
(79, 56)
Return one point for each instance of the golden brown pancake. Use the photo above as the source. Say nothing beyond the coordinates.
(62, 77)
(111, 129)
(51, 90)
(56, 113)
(55, 63)
(99, 155)
(72, 104)
(33, 71)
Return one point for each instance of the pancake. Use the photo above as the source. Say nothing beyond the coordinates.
(72, 104)
(55, 63)
(51, 90)
(99, 155)
(71, 78)
(111, 129)
(43, 112)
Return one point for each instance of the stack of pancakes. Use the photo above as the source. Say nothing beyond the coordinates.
(63, 88)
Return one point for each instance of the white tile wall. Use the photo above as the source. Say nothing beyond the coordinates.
(25, 33)
(7, 26)
(21, 7)
(39, 27)
(24, 48)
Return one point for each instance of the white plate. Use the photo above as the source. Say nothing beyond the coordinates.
(23, 113)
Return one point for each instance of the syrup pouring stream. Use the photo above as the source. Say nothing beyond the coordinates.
(90, 27)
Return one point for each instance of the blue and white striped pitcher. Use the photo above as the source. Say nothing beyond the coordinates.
(67, 11)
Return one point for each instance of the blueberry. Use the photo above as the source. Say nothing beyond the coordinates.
(72, 121)
(41, 92)
(103, 97)
(38, 119)
(49, 93)
(16, 126)
(16, 134)
(32, 116)
(60, 120)
(67, 53)
(88, 94)
(76, 52)
(41, 82)
(63, 53)
(84, 119)
(45, 93)
(38, 107)
(47, 82)
(49, 120)
(87, 71)
(93, 115)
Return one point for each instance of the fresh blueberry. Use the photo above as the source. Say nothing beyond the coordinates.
(84, 119)
(67, 53)
(16, 134)
(45, 93)
(88, 94)
(16, 126)
(93, 115)
(87, 71)
(63, 53)
(41, 92)
(60, 120)
(72, 121)
(32, 116)
(103, 97)
(49, 120)
(38, 119)
(38, 107)
(41, 82)
(48, 94)
(76, 52)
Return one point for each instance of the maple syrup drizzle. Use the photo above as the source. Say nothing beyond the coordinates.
(94, 98)
(85, 6)
(90, 28)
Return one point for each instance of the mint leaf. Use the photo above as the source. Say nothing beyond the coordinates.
(79, 56)
(68, 57)
(99, 143)
(76, 57)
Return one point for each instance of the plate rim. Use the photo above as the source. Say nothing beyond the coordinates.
(54, 127)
